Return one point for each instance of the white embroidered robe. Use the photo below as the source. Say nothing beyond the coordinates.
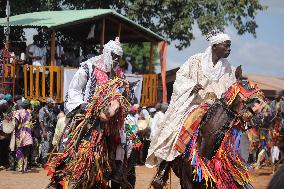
(162, 145)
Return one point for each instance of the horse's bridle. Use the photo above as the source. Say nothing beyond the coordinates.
(245, 91)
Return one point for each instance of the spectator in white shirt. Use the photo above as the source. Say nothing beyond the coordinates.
(128, 65)
(158, 118)
(144, 112)
(37, 51)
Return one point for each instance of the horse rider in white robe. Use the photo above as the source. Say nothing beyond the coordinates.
(201, 73)
(92, 73)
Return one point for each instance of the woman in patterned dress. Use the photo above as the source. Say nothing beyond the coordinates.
(23, 136)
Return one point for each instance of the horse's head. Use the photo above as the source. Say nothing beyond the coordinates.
(109, 99)
(245, 99)
(239, 104)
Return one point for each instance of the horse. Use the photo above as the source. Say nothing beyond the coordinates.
(209, 139)
(84, 157)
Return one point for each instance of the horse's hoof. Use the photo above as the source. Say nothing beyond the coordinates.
(157, 185)
(50, 186)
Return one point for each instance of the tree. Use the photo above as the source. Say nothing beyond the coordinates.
(140, 56)
(175, 19)
(25, 6)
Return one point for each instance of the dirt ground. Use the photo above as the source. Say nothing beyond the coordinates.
(37, 179)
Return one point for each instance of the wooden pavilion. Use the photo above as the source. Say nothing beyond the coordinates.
(77, 24)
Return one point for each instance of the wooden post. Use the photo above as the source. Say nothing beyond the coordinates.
(26, 80)
(43, 83)
(37, 82)
(119, 30)
(163, 53)
(51, 82)
(58, 82)
(52, 48)
(62, 84)
(102, 35)
(31, 82)
(151, 58)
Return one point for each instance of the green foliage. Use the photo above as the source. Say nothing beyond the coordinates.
(140, 56)
(173, 19)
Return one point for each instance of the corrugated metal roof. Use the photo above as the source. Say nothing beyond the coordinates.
(267, 82)
(271, 85)
(59, 19)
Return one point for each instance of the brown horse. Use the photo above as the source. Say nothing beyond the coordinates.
(238, 105)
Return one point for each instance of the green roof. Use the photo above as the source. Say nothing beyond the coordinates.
(61, 19)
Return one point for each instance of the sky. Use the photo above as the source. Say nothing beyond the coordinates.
(262, 55)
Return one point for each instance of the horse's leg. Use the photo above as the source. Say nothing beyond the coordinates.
(186, 175)
(115, 185)
(162, 175)
(176, 167)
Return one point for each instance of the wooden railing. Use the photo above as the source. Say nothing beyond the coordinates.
(42, 82)
(9, 70)
(149, 90)
(8, 79)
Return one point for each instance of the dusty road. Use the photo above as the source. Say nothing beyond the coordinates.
(37, 179)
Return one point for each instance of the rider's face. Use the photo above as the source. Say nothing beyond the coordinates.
(115, 59)
(222, 50)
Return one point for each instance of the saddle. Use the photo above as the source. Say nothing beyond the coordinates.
(191, 125)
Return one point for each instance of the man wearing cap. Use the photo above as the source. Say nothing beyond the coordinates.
(161, 108)
(201, 73)
(47, 123)
(92, 73)
(144, 112)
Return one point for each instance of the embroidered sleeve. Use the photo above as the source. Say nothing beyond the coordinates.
(186, 77)
(76, 87)
(101, 76)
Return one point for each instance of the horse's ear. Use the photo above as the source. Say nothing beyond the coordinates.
(239, 73)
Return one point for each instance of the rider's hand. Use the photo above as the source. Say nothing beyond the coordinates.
(83, 107)
(196, 88)
(239, 73)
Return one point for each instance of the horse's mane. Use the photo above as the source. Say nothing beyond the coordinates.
(114, 89)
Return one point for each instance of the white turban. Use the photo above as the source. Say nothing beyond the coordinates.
(217, 37)
(104, 62)
(110, 47)
(113, 46)
(211, 71)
